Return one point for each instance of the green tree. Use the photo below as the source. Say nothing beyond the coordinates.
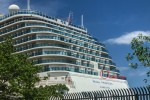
(140, 57)
(18, 77)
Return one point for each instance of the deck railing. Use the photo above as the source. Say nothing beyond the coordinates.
(142, 93)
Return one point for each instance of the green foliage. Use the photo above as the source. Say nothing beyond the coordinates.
(141, 52)
(18, 77)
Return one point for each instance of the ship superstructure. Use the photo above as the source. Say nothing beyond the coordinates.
(67, 53)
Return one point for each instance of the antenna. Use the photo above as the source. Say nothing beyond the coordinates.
(70, 17)
(82, 21)
(28, 5)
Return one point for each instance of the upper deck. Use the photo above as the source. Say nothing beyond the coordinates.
(37, 13)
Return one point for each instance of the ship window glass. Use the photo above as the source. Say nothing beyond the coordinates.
(105, 75)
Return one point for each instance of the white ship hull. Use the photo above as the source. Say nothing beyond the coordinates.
(77, 82)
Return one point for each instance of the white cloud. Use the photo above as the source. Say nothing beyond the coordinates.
(127, 37)
(128, 71)
(137, 73)
(123, 68)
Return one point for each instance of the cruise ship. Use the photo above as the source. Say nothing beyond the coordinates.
(68, 53)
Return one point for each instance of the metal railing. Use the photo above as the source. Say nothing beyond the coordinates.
(142, 93)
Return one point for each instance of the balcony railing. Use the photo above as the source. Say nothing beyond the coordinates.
(35, 13)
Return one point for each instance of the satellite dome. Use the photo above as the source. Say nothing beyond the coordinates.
(13, 8)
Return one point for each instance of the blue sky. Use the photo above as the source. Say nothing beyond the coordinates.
(113, 22)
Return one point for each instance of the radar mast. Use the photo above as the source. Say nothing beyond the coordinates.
(28, 4)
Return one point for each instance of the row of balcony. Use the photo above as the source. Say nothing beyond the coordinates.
(49, 37)
(53, 38)
(41, 61)
(51, 24)
(109, 69)
(29, 46)
(72, 69)
(66, 33)
(56, 38)
(84, 71)
(12, 28)
(69, 32)
(72, 54)
(78, 55)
